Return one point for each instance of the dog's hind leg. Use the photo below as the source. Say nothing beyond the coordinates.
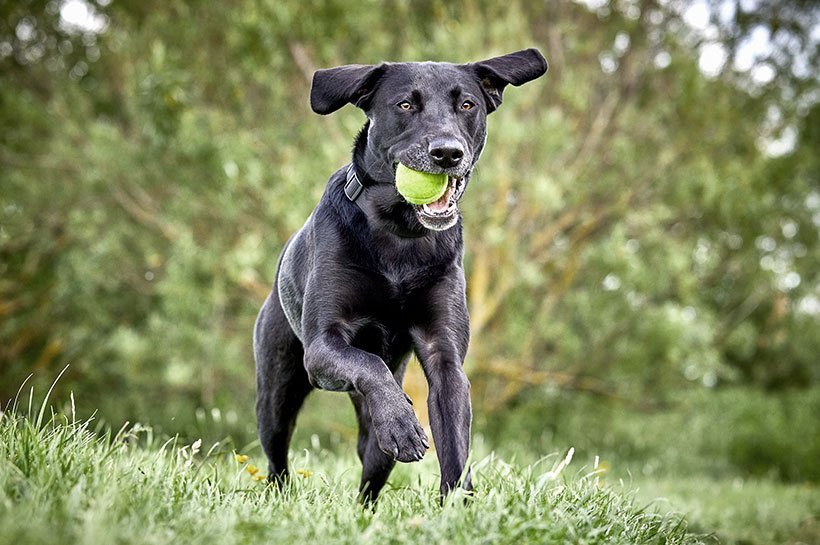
(282, 384)
(376, 464)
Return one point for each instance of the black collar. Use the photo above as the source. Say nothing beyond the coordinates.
(353, 186)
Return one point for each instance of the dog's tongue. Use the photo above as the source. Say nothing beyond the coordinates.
(442, 203)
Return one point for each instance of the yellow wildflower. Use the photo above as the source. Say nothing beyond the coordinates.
(240, 458)
(252, 469)
(304, 473)
(258, 477)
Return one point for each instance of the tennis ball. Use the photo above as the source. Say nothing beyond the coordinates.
(420, 187)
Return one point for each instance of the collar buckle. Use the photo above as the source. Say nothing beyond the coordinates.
(353, 186)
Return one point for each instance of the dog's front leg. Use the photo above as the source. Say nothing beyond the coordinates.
(441, 344)
(333, 364)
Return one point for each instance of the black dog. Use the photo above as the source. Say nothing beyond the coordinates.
(370, 277)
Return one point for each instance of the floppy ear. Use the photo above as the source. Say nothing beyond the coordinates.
(353, 83)
(515, 68)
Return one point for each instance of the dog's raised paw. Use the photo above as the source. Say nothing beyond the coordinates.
(398, 432)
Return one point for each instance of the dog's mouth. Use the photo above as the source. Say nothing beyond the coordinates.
(443, 213)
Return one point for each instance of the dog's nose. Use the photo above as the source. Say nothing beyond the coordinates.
(446, 152)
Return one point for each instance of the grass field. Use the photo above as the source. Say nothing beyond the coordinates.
(741, 511)
(62, 482)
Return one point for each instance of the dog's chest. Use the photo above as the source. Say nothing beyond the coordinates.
(386, 294)
(375, 317)
(382, 314)
(399, 287)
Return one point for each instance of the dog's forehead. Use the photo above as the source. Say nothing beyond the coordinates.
(430, 76)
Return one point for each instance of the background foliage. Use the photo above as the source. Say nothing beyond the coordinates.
(642, 231)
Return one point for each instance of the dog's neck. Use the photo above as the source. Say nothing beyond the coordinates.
(365, 161)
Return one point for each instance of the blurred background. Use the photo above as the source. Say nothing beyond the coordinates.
(642, 231)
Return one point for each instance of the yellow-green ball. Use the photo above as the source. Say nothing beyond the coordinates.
(420, 187)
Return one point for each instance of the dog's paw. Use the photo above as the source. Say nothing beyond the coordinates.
(397, 429)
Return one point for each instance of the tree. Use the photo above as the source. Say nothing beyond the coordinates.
(628, 233)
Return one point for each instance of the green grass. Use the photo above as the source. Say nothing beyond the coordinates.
(742, 511)
(61, 482)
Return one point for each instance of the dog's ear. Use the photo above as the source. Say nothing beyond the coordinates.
(515, 68)
(353, 83)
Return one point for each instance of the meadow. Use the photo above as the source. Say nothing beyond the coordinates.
(68, 480)
(62, 483)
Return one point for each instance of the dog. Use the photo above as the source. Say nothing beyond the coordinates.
(371, 278)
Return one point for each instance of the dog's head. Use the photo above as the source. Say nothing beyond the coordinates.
(430, 116)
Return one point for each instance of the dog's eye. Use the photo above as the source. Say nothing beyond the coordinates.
(405, 105)
(467, 105)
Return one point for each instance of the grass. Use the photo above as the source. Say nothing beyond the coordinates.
(740, 463)
(62, 482)
(742, 511)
